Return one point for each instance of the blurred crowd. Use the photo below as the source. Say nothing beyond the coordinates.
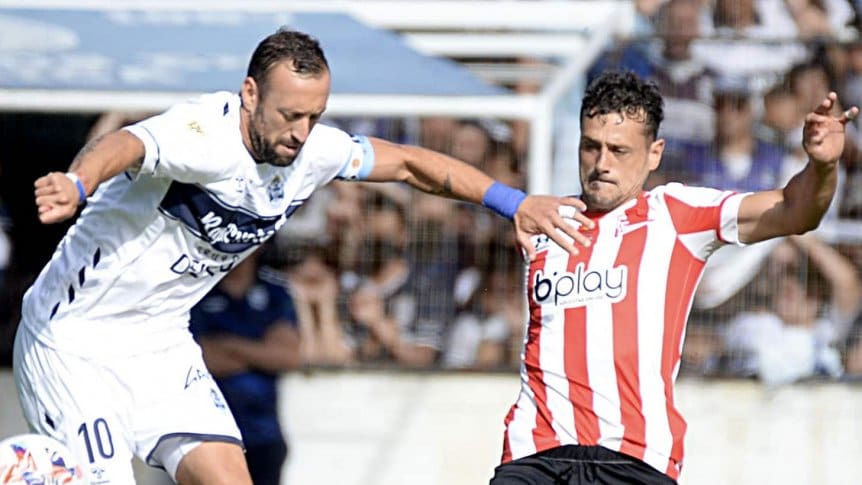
(738, 78)
(382, 275)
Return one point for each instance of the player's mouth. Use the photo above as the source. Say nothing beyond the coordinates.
(289, 150)
(598, 182)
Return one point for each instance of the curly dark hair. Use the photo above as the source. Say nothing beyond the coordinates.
(624, 92)
(303, 51)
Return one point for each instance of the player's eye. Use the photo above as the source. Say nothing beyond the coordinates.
(588, 145)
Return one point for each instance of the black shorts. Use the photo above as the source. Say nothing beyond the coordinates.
(576, 465)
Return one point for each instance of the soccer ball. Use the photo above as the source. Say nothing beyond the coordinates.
(32, 459)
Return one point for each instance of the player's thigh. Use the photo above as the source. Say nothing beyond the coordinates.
(77, 403)
(180, 409)
(213, 463)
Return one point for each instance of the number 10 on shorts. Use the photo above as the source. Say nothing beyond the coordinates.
(101, 434)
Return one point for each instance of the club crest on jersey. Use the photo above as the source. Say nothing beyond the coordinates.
(541, 243)
(195, 127)
(275, 190)
(579, 287)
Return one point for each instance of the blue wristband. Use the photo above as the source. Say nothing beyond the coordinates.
(503, 200)
(82, 192)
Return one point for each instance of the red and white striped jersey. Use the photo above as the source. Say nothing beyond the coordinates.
(603, 345)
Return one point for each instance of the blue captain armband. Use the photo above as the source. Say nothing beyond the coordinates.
(503, 200)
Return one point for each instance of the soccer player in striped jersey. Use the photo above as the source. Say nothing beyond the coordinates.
(606, 326)
(103, 358)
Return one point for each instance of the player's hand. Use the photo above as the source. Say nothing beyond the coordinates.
(823, 134)
(56, 198)
(545, 214)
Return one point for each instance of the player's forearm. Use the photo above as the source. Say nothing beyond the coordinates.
(807, 196)
(428, 171)
(106, 156)
(439, 174)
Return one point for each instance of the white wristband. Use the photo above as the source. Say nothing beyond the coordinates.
(82, 192)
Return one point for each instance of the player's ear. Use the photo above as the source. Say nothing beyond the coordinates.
(250, 93)
(656, 149)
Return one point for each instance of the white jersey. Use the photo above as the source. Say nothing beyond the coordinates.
(606, 327)
(151, 244)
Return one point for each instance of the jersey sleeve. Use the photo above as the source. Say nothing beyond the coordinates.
(185, 143)
(336, 154)
(704, 218)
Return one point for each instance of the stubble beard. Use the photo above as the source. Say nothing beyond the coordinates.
(263, 151)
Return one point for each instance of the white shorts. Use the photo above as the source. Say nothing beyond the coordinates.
(152, 405)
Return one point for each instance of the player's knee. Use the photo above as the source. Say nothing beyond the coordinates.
(207, 463)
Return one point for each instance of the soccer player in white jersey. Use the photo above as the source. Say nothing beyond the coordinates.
(104, 361)
(606, 326)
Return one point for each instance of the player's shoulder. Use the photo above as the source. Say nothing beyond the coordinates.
(326, 150)
(206, 122)
(205, 111)
(323, 135)
(679, 189)
(692, 195)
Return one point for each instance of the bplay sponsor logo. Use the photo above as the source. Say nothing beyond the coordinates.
(579, 287)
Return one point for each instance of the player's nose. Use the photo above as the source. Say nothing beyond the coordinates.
(301, 130)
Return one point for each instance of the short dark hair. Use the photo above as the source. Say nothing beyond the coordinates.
(624, 92)
(303, 51)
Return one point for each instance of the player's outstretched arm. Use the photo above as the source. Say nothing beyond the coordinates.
(800, 205)
(58, 194)
(442, 175)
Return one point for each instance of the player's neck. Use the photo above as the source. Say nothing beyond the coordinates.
(244, 123)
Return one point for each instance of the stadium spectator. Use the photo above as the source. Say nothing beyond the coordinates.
(399, 305)
(738, 160)
(471, 143)
(247, 329)
(606, 326)
(798, 334)
(749, 38)
(821, 19)
(851, 204)
(314, 285)
(504, 165)
(436, 132)
(173, 203)
(684, 80)
(853, 73)
(645, 16)
(491, 313)
(810, 81)
(779, 121)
